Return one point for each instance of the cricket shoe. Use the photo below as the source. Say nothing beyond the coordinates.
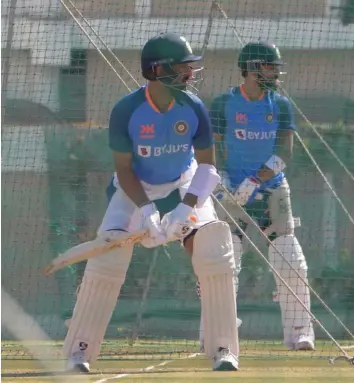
(77, 363)
(224, 360)
(303, 342)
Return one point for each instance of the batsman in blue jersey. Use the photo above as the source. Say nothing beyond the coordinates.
(162, 143)
(254, 126)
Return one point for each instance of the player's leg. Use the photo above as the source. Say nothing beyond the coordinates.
(297, 324)
(99, 290)
(237, 244)
(213, 261)
(214, 265)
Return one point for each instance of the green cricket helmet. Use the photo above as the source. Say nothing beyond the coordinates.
(254, 54)
(166, 50)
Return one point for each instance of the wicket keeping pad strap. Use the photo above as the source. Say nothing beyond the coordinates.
(204, 182)
(276, 164)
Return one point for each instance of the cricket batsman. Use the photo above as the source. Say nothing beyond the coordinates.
(253, 127)
(162, 143)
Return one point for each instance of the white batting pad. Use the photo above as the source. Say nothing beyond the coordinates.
(214, 264)
(293, 314)
(237, 254)
(96, 300)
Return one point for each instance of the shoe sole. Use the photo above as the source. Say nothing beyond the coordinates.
(305, 346)
(226, 366)
(79, 368)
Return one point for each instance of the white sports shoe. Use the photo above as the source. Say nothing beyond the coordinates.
(77, 363)
(303, 342)
(224, 360)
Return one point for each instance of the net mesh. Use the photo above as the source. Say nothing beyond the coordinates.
(57, 93)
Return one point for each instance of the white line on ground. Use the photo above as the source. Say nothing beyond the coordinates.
(146, 369)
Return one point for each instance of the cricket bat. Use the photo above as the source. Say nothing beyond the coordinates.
(91, 249)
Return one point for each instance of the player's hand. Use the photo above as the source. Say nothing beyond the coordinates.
(247, 190)
(178, 223)
(148, 217)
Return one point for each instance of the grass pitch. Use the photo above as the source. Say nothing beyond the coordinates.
(176, 362)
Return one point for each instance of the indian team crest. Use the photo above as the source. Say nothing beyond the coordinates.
(269, 117)
(181, 127)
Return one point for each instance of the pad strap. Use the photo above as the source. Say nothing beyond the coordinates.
(276, 164)
(204, 182)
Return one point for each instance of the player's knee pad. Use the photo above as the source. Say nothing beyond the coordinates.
(213, 249)
(237, 254)
(103, 278)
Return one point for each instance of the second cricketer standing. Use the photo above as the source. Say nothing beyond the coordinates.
(253, 127)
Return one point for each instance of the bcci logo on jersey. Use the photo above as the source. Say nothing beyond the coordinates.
(181, 127)
(148, 151)
(243, 134)
(269, 117)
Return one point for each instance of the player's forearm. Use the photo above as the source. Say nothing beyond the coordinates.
(281, 157)
(204, 180)
(132, 187)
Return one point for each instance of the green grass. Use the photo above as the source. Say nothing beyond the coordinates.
(260, 362)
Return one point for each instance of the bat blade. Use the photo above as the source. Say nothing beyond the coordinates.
(91, 249)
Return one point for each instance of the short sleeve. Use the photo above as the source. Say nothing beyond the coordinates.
(286, 115)
(217, 114)
(119, 139)
(203, 138)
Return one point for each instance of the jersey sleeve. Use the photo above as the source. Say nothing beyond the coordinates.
(217, 114)
(119, 138)
(286, 114)
(203, 138)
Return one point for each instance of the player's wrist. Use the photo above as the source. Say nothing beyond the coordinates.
(147, 209)
(145, 203)
(184, 209)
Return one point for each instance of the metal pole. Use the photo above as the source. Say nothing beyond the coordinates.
(207, 37)
(7, 52)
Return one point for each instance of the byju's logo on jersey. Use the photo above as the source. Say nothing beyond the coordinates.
(148, 151)
(170, 149)
(144, 151)
(243, 134)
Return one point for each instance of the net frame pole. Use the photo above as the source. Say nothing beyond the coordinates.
(7, 53)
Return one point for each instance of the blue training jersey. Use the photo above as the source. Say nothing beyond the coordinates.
(162, 144)
(249, 129)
